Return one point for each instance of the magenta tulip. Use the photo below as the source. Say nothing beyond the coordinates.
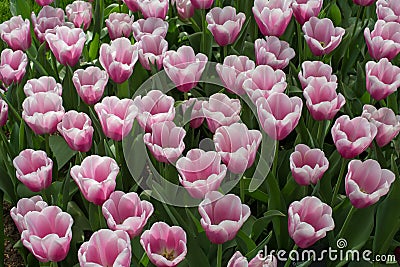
(322, 36)
(133, 5)
(152, 49)
(237, 146)
(12, 66)
(153, 26)
(90, 84)
(309, 220)
(153, 8)
(303, 10)
(106, 248)
(3, 112)
(312, 70)
(279, 114)
(119, 25)
(233, 72)
(384, 40)
(273, 52)
(127, 212)
(44, 2)
(352, 136)
(46, 21)
(197, 115)
(43, 84)
(164, 245)
(48, 234)
(118, 59)
(184, 68)
(16, 33)
(202, 4)
(154, 107)
(366, 182)
(388, 10)
(79, 13)
(383, 78)
(272, 16)
(364, 2)
(222, 216)
(386, 122)
(185, 9)
(25, 205)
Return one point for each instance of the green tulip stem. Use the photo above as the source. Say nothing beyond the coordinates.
(339, 181)
(219, 255)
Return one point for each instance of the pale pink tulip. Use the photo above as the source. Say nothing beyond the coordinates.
(185, 9)
(238, 260)
(12, 66)
(154, 26)
(273, 52)
(16, 33)
(90, 83)
(384, 40)
(25, 205)
(43, 84)
(388, 10)
(79, 13)
(119, 25)
(3, 112)
(44, 2)
(153, 8)
(364, 2)
(303, 10)
(46, 21)
(315, 70)
(196, 116)
(152, 49)
(133, 5)
(202, 4)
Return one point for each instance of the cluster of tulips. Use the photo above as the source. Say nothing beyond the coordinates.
(47, 230)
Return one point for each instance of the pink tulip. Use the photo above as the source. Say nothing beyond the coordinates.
(185, 9)
(233, 72)
(165, 141)
(364, 2)
(95, 178)
(116, 116)
(272, 16)
(118, 59)
(106, 248)
(237, 146)
(12, 66)
(322, 100)
(66, 44)
(263, 81)
(153, 8)
(164, 245)
(220, 110)
(77, 130)
(308, 221)
(25, 205)
(90, 84)
(200, 172)
(303, 10)
(48, 234)
(133, 5)
(238, 260)
(366, 182)
(44, 2)
(222, 216)
(119, 25)
(127, 212)
(43, 84)
(224, 24)
(154, 26)
(273, 52)
(34, 169)
(152, 49)
(3, 112)
(388, 10)
(46, 21)
(79, 13)
(386, 122)
(384, 40)
(202, 4)
(312, 70)
(279, 114)
(308, 165)
(383, 78)
(322, 36)
(42, 112)
(154, 107)
(196, 116)
(352, 136)
(184, 68)
(16, 33)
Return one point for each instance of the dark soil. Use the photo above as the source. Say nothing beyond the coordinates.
(11, 255)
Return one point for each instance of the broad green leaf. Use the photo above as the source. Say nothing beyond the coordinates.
(61, 150)
(261, 224)
(20, 7)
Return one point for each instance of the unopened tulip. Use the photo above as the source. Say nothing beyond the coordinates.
(352, 136)
(238, 260)
(133, 5)
(384, 40)
(66, 44)
(185, 9)
(79, 13)
(12, 66)
(95, 178)
(16, 33)
(44, 2)
(312, 70)
(152, 50)
(388, 10)
(196, 107)
(387, 123)
(273, 52)
(201, 172)
(153, 26)
(164, 245)
(309, 220)
(25, 205)
(106, 248)
(3, 112)
(43, 84)
(90, 84)
(46, 21)
(272, 16)
(184, 67)
(279, 114)
(127, 212)
(119, 25)
(303, 10)
(153, 8)
(364, 2)
(202, 4)
(233, 72)
(322, 36)
(118, 59)
(48, 234)
(383, 78)
(366, 182)
(222, 216)
(237, 146)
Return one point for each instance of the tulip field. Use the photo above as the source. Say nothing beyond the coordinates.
(199, 133)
